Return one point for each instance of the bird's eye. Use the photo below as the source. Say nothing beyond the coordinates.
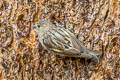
(39, 26)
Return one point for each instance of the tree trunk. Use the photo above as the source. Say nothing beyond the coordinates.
(96, 23)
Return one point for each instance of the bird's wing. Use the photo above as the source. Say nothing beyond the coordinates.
(64, 43)
(59, 40)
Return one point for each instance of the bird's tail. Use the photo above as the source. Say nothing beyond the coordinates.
(95, 55)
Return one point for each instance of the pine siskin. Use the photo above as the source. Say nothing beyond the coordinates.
(62, 42)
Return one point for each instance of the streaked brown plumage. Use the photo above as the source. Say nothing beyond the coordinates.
(62, 42)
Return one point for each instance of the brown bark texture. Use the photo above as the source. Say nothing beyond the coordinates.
(96, 23)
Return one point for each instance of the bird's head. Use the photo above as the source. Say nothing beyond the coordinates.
(41, 23)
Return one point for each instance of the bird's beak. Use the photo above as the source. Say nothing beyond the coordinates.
(34, 27)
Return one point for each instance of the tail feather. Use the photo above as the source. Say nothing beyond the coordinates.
(97, 53)
(95, 59)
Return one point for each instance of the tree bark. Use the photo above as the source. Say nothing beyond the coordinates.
(96, 23)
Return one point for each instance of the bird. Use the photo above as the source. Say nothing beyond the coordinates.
(61, 41)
